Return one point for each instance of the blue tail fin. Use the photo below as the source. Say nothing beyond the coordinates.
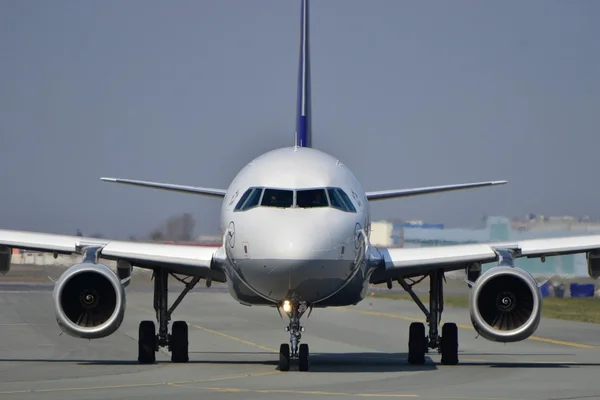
(303, 112)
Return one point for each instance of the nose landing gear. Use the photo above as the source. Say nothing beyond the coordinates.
(294, 350)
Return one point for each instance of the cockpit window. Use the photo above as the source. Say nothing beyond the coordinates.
(305, 198)
(347, 200)
(278, 198)
(249, 199)
(340, 200)
(311, 198)
(243, 199)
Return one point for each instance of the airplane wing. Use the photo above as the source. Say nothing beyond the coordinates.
(212, 192)
(404, 262)
(188, 260)
(390, 194)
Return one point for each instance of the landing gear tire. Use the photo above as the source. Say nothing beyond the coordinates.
(147, 342)
(417, 343)
(179, 342)
(284, 357)
(449, 344)
(303, 357)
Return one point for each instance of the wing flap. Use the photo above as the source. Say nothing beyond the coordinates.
(395, 193)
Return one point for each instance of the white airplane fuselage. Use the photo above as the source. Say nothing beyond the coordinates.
(289, 247)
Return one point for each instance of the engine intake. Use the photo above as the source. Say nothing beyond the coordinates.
(505, 304)
(89, 301)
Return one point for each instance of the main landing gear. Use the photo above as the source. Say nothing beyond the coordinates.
(419, 342)
(177, 342)
(294, 310)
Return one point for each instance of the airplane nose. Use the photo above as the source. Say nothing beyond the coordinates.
(306, 253)
(308, 241)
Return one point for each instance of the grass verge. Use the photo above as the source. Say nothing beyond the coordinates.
(573, 309)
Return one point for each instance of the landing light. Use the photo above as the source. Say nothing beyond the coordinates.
(287, 307)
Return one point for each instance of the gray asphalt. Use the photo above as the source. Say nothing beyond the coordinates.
(356, 352)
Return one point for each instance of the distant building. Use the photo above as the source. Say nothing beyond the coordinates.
(381, 234)
(581, 225)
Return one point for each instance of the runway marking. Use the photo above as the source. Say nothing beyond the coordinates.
(292, 391)
(20, 291)
(223, 378)
(137, 385)
(536, 338)
(538, 362)
(564, 343)
(237, 339)
(474, 398)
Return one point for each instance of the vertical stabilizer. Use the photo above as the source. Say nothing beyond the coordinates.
(303, 112)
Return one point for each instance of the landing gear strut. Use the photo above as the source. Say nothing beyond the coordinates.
(298, 351)
(149, 341)
(418, 342)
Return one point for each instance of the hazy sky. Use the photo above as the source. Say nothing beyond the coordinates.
(406, 93)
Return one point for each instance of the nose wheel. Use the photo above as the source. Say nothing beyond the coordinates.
(294, 350)
(303, 357)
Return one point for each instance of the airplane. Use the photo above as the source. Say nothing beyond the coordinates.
(296, 228)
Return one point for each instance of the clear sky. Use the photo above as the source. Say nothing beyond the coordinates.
(406, 93)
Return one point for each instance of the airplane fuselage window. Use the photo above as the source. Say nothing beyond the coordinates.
(311, 198)
(278, 198)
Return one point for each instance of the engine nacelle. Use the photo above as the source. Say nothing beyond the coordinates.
(89, 301)
(505, 304)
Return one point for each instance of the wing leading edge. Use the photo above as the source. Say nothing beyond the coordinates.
(189, 260)
(397, 262)
(212, 192)
(394, 193)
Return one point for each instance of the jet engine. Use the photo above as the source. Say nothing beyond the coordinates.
(89, 301)
(505, 304)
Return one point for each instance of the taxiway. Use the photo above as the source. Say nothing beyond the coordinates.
(355, 352)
